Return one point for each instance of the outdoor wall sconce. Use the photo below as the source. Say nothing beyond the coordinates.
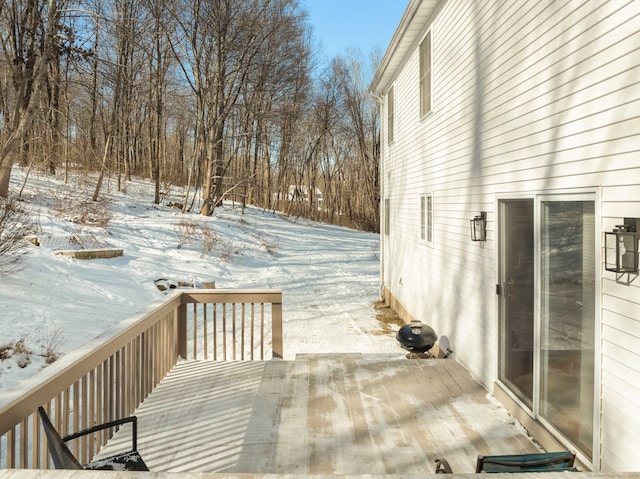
(621, 248)
(479, 227)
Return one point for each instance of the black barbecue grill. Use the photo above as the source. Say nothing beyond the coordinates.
(416, 337)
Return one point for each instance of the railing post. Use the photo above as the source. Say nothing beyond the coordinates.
(276, 329)
(182, 330)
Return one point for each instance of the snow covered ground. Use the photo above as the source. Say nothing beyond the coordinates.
(328, 275)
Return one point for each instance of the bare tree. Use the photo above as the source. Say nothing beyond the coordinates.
(37, 48)
(30, 27)
(363, 125)
(158, 55)
(228, 41)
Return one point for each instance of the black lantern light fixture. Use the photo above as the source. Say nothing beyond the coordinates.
(479, 227)
(621, 248)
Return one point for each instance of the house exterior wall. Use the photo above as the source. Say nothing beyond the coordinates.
(528, 98)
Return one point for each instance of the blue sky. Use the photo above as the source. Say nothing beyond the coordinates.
(362, 24)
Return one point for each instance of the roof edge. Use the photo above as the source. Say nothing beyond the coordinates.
(399, 38)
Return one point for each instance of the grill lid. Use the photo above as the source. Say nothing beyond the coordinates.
(416, 337)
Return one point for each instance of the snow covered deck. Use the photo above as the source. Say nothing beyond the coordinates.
(321, 416)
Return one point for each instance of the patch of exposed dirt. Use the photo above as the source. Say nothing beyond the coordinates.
(389, 320)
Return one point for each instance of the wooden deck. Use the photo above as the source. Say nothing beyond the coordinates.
(321, 416)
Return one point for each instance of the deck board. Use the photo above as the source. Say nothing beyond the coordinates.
(321, 416)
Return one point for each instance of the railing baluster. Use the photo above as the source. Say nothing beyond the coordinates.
(166, 350)
(11, 448)
(195, 331)
(242, 332)
(118, 386)
(128, 377)
(86, 454)
(144, 362)
(135, 376)
(102, 401)
(152, 357)
(35, 441)
(215, 330)
(43, 444)
(204, 332)
(233, 319)
(96, 391)
(65, 408)
(261, 331)
(224, 331)
(253, 310)
(171, 350)
(161, 349)
(111, 404)
(75, 423)
(24, 443)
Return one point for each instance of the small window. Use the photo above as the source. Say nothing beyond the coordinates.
(390, 115)
(426, 218)
(387, 216)
(423, 218)
(425, 75)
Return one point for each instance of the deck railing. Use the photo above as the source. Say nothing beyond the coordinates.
(111, 375)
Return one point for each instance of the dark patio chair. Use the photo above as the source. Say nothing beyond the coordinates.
(443, 467)
(534, 462)
(63, 458)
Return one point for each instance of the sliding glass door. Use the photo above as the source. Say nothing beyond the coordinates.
(548, 322)
(517, 288)
(567, 315)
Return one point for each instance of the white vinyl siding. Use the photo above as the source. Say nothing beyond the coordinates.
(540, 97)
(620, 373)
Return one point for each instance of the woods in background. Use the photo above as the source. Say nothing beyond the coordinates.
(222, 97)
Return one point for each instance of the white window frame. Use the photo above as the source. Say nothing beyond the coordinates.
(426, 218)
(391, 106)
(387, 216)
(426, 74)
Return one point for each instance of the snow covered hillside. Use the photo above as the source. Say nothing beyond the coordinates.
(328, 274)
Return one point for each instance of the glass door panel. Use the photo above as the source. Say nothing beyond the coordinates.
(567, 316)
(516, 298)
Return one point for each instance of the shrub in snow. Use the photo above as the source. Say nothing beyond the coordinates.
(186, 231)
(15, 225)
(18, 351)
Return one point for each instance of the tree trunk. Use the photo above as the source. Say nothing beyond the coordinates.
(96, 192)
